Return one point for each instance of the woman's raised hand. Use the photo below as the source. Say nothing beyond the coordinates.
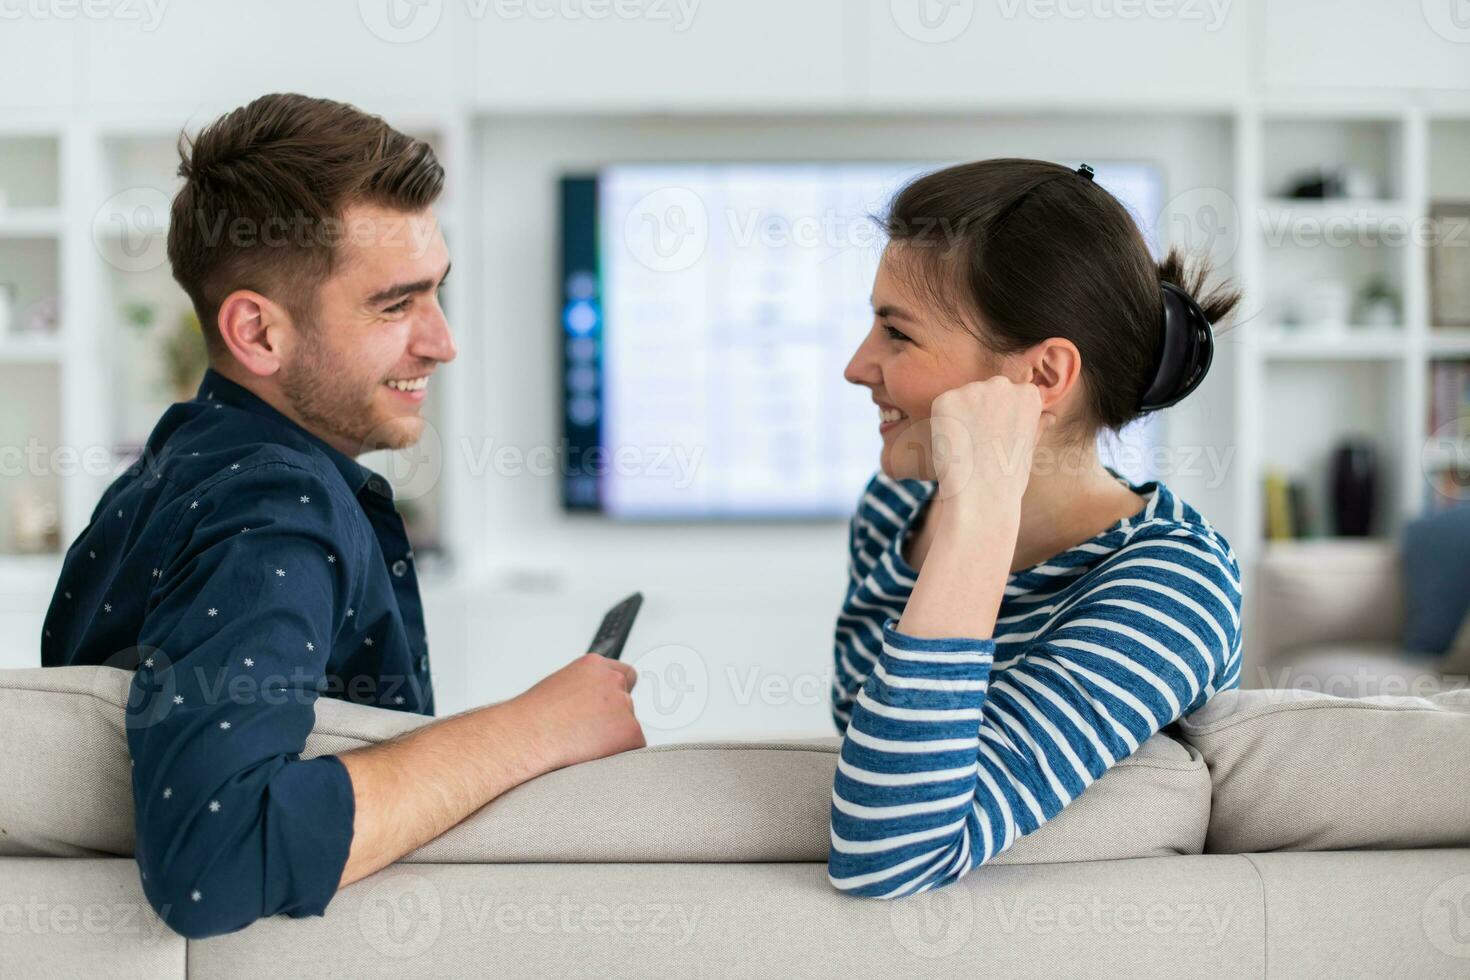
(984, 436)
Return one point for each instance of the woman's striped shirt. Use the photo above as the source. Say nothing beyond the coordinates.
(955, 748)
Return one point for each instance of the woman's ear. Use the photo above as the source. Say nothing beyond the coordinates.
(1056, 368)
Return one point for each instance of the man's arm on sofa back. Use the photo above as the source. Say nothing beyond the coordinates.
(232, 824)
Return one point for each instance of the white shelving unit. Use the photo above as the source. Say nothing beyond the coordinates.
(1303, 388)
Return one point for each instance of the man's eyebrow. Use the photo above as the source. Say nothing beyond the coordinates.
(407, 288)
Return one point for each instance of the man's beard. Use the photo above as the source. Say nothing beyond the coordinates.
(333, 403)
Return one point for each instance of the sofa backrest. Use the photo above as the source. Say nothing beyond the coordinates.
(66, 775)
(1302, 770)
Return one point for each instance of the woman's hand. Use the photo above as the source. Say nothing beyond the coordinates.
(984, 436)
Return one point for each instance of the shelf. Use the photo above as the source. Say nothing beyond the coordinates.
(1347, 343)
(29, 575)
(29, 222)
(1446, 342)
(1372, 210)
(46, 350)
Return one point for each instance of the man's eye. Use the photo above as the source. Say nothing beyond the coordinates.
(894, 334)
(398, 307)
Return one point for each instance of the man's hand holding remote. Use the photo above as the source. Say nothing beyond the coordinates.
(411, 789)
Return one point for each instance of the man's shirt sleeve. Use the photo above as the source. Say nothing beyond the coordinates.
(232, 825)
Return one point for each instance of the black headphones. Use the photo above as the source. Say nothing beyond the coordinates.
(1186, 344)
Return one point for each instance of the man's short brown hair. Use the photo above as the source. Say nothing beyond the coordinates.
(265, 189)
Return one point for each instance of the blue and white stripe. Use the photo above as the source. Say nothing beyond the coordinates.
(953, 749)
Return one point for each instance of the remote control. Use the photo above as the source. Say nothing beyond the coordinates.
(616, 625)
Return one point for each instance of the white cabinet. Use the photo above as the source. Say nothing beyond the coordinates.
(648, 55)
(1403, 44)
(37, 62)
(999, 53)
(383, 52)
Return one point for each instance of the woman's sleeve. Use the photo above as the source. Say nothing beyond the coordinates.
(847, 675)
(947, 761)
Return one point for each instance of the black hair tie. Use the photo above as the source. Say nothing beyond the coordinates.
(1186, 348)
(1085, 171)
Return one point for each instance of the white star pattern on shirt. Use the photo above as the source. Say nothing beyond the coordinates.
(224, 726)
(107, 607)
(156, 573)
(194, 505)
(119, 513)
(68, 595)
(148, 662)
(368, 642)
(194, 454)
(214, 806)
(244, 529)
(48, 632)
(310, 645)
(234, 466)
(331, 559)
(280, 573)
(92, 554)
(213, 612)
(195, 893)
(398, 700)
(305, 499)
(249, 662)
(178, 699)
(168, 791)
(350, 610)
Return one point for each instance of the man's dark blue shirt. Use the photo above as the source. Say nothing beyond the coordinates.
(242, 568)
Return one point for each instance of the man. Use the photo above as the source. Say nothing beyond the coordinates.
(248, 564)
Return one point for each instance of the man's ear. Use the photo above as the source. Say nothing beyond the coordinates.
(1056, 368)
(254, 329)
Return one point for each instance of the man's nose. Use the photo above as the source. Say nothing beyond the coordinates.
(435, 340)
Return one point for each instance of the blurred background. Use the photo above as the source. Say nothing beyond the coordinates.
(658, 212)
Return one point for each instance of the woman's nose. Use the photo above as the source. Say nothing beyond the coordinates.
(863, 368)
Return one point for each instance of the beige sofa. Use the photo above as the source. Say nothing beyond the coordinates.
(1271, 834)
(1327, 615)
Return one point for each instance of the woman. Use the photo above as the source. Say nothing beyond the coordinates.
(1018, 618)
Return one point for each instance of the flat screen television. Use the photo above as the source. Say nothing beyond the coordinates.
(706, 313)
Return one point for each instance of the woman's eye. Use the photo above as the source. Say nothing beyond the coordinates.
(895, 334)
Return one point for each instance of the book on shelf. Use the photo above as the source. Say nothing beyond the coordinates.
(1287, 512)
(1449, 398)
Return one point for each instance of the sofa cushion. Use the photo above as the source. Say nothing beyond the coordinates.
(1436, 588)
(1302, 770)
(68, 792)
